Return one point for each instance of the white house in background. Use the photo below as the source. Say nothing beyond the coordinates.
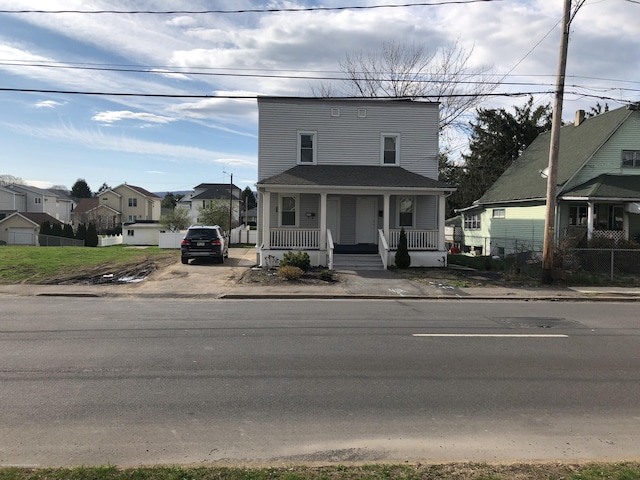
(340, 175)
(25, 198)
(206, 193)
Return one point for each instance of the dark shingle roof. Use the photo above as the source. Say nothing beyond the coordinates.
(352, 176)
(609, 186)
(522, 180)
(40, 218)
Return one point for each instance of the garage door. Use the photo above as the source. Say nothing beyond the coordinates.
(21, 236)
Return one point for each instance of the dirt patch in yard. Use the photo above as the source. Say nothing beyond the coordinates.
(108, 273)
(259, 276)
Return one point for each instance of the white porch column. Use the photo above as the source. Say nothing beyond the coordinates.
(386, 216)
(266, 219)
(442, 201)
(590, 215)
(323, 221)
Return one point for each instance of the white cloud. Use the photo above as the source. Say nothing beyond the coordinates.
(48, 104)
(97, 140)
(116, 116)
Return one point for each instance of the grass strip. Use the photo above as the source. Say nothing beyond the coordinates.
(458, 471)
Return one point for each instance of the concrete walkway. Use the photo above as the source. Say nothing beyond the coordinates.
(214, 281)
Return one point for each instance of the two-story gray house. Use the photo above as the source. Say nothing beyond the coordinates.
(337, 176)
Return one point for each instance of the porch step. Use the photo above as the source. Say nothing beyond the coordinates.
(355, 262)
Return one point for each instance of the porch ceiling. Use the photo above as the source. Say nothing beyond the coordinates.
(352, 176)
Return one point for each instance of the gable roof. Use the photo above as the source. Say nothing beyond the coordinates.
(353, 176)
(522, 180)
(86, 205)
(216, 191)
(37, 218)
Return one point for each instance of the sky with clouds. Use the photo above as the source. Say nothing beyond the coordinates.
(186, 137)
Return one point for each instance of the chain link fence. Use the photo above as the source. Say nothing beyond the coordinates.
(616, 264)
(51, 241)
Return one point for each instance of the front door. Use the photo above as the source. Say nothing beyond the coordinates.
(366, 220)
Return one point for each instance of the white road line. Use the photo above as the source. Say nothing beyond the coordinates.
(491, 335)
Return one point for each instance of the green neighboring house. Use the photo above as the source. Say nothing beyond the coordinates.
(598, 194)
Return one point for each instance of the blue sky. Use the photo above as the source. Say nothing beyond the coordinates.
(173, 144)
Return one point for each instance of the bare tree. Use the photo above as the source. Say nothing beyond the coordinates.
(402, 70)
(6, 179)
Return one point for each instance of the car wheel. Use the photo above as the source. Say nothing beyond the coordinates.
(221, 259)
(185, 260)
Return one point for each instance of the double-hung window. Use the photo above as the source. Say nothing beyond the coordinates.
(390, 149)
(307, 148)
(631, 158)
(288, 211)
(133, 202)
(405, 211)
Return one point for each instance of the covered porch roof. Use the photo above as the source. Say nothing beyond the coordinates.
(348, 176)
(607, 187)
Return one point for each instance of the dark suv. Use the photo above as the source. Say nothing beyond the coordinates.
(204, 242)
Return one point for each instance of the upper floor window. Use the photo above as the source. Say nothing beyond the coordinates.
(390, 146)
(307, 149)
(472, 221)
(405, 211)
(498, 213)
(133, 202)
(631, 158)
(37, 200)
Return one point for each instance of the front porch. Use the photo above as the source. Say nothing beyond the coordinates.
(343, 224)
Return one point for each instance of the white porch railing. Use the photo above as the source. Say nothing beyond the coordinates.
(383, 248)
(294, 238)
(330, 248)
(416, 239)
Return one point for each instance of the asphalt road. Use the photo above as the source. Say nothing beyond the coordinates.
(128, 382)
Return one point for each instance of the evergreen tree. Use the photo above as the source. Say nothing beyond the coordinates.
(45, 228)
(56, 230)
(498, 138)
(81, 189)
(81, 232)
(92, 236)
(67, 231)
(403, 259)
(249, 198)
(169, 201)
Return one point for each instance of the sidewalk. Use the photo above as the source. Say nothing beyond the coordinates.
(212, 281)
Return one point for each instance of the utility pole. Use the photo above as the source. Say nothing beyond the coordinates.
(230, 201)
(552, 176)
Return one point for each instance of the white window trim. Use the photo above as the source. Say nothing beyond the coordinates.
(382, 137)
(499, 213)
(413, 213)
(297, 199)
(315, 147)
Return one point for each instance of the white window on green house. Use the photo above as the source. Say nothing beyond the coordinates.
(498, 213)
(472, 221)
(631, 158)
(307, 151)
(405, 211)
(288, 211)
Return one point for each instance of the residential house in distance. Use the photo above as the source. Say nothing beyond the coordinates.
(25, 198)
(342, 176)
(206, 193)
(598, 193)
(116, 206)
(22, 228)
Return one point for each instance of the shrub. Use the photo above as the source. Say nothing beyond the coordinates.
(289, 272)
(326, 275)
(300, 260)
(403, 259)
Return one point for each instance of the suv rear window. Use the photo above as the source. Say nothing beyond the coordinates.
(202, 234)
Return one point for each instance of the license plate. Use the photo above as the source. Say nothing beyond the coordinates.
(200, 244)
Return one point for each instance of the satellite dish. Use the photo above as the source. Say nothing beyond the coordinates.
(544, 173)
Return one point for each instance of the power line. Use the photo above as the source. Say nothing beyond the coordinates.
(254, 97)
(255, 10)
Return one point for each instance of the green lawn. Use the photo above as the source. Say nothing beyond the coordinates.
(557, 471)
(27, 264)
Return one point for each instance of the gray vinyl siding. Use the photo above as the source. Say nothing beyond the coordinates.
(347, 139)
(311, 204)
(427, 213)
(608, 159)
(348, 221)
